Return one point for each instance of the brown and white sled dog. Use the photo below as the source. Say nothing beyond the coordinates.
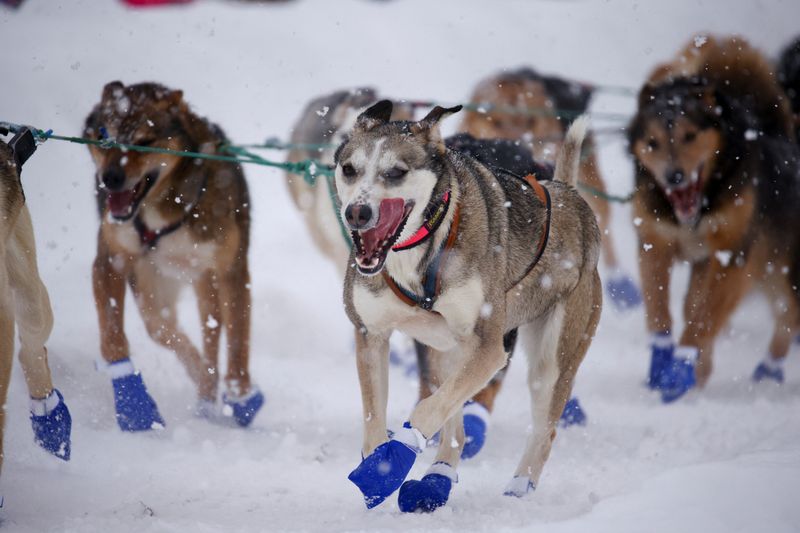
(717, 185)
(24, 302)
(536, 110)
(166, 222)
(457, 256)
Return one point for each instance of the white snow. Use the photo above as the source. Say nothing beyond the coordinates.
(724, 459)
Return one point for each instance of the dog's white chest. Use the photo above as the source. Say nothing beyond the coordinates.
(456, 313)
(179, 256)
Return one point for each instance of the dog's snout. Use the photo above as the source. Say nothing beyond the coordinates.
(113, 178)
(358, 215)
(675, 177)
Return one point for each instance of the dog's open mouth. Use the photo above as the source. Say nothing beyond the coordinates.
(373, 245)
(122, 204)
(687, 199)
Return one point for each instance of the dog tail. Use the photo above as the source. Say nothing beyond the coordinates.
(569, 157)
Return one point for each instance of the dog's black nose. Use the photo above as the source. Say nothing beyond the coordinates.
(113, 178)
(358, 215)
(675, 178)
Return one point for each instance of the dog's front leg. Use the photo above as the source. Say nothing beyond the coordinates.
(108, 281)
(483, 357)
(385, 464)
(372, 360)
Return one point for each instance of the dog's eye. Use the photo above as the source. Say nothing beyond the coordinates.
(689, 137)
(348, 170)
(145, 142)
(652, 145)
(395, 173)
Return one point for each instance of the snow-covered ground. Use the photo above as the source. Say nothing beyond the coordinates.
(726, 459)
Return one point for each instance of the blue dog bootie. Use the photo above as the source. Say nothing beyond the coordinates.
(573, 414)
(519, 486)
(244, 408)
(384, 470)
(662, 352)
(52, 424)
(136, 409)
(476, 424)
(430, 492)
(770, 369)
(623, 291)
(678, 376)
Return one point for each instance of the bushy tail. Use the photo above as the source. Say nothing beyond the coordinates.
(569, 156)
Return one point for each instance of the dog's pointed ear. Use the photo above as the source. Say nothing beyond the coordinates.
(437, 114)
(429, 125)
(379, 113)
(112, 90)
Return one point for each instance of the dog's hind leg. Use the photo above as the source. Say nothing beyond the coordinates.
(556, 346)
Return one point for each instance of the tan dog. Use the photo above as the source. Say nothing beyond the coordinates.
(717, 185)
(169, 221)
(24, 301)
(458, 256)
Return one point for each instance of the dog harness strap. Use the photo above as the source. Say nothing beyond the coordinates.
(431, 281)
(434, 215)
(149, 237)
(544, 196)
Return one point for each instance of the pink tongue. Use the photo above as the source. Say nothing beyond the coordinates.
(389, 217)
(119, 202)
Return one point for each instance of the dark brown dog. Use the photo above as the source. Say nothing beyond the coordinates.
(168, 221)
(716, 185)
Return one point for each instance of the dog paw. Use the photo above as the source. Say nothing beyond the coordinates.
(573, 414)
(383, 471)
(52, 424)
(244, 408)
(623, 292)
(430, 492)
(519, 486)
(136, 409)
(676, 379)
(476, 423)
(662, 353)
(764, 372)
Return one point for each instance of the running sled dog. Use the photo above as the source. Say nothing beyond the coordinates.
(718, 186)
(24, 302)
(323, 124)
(457, 256)
(169, 221)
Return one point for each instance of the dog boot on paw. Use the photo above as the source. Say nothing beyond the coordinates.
(244, 408)
(662, 352)
(770, 369)
(573, 414)
(136, 409)
(430, 492)
(623, 291)
(519, 486)
(383, 471)
(52, 424)
(476, 424)
(678, 376)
